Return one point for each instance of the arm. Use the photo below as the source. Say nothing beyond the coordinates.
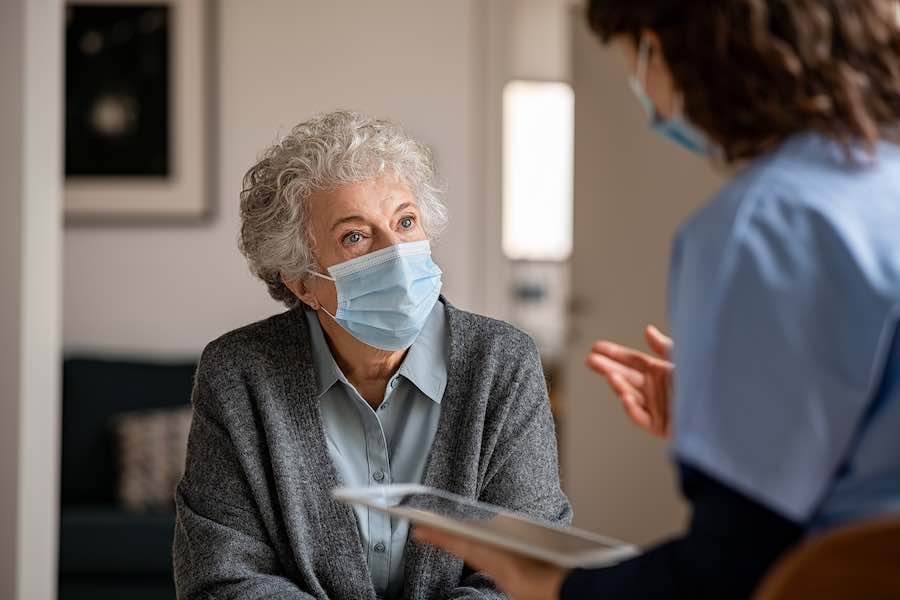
(221, 548)
(523, 474)
(730, 544)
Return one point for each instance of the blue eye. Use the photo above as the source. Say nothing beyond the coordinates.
(351, 238)
(407, 222)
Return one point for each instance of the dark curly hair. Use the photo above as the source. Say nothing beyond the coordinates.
(754, 72)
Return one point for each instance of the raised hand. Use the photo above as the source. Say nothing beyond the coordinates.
(642, 382)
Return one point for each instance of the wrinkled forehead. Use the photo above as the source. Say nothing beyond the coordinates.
(373, 200)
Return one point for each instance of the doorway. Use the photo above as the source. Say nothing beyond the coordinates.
(631, 190)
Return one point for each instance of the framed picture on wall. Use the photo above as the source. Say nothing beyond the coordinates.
(136, 113)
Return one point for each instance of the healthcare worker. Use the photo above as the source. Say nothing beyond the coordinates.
(784, 299)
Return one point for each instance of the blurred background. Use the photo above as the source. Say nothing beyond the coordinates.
(126, 129)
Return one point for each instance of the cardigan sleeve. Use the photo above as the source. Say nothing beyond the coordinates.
(523, 471)
(221, 548)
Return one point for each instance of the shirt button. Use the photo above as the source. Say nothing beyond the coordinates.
(378, 475)
(379, 547)
(393, 383)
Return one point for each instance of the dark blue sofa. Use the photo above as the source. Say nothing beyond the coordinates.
(106, 552)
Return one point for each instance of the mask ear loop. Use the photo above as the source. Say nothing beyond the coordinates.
(327, 278)
(640, 74)
(317, 274)
(643, 57)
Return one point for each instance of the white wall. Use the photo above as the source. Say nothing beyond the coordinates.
(30, 240)
(170, 290)
(539, 40)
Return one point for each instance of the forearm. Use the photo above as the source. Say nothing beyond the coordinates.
(216, 557)
(730, 544)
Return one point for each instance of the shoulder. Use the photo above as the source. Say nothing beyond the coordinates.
(758, 188)
(485, 334)
(803, 203)
(483, 349)
(799, 234)
(254, 349)
(808, 175)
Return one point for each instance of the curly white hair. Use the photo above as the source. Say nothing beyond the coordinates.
(323, 153)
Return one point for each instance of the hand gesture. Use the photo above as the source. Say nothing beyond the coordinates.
(642, 382)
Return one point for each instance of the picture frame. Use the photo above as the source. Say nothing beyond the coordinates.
(138, 155)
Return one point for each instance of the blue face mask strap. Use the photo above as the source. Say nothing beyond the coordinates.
(325, 310)
(317, 274)
(327, 278)
(643, 58)
(640, 76)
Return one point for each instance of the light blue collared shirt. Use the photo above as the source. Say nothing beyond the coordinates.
(387, 445)
(785, 309)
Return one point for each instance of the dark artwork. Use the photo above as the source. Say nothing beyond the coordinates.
(117, 90)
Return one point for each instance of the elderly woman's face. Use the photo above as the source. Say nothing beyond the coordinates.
(357, 219)
(361, 218)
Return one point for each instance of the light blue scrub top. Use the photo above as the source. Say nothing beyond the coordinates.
(784, 305)
(387, 445)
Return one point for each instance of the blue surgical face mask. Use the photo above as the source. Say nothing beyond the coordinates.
(677, 128)
(385, 297)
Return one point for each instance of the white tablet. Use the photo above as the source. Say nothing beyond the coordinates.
(491, 524)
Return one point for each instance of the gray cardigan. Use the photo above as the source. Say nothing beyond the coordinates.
(254, 515)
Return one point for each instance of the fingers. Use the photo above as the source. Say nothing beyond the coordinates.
(628, 356)
(660, 343)
(632, 403)
(657, 405)
(607, 367)
(622, 380)
(665, 405)
(641, 381)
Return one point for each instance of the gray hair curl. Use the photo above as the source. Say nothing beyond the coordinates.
(324, 153)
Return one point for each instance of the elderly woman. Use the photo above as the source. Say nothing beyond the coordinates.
(370, 378)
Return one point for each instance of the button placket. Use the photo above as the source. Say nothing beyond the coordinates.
(379, 523)
(388, 395)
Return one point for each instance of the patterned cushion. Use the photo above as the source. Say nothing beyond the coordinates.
(151, 448)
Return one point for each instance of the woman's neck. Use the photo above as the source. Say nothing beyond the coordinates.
(368, 369)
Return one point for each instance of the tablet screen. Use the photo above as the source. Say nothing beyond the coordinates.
(495, 520)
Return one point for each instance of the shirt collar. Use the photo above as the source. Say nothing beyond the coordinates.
(326, 367)
(425, 364)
